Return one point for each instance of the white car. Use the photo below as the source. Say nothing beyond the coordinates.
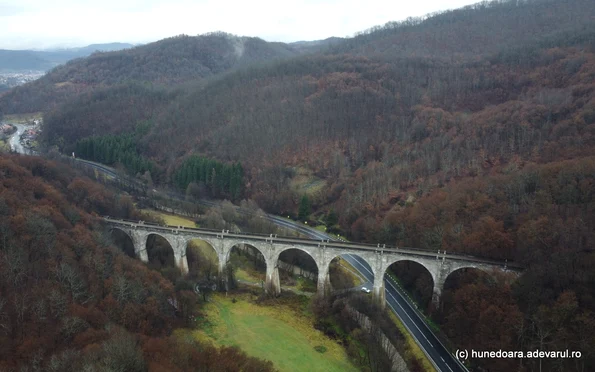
(364, 289)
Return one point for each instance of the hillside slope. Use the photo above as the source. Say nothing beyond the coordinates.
(71, 301)
(375, 128)
(166, 62)
(475, 30)
(483, 147)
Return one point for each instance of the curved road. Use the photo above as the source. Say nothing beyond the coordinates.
(15, 139)
(437, 353)
(398, 303)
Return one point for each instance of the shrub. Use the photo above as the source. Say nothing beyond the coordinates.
(321, 349)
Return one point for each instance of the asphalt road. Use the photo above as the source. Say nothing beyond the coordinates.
(15, 140)
(398, 303)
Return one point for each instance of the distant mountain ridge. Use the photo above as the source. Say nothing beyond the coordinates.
(479, 29)
(315, 45)
(22, 60)
(43, 60)
(167, 62)
(103, 47)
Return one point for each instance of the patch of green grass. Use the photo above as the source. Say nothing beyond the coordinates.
(306, 285)
(248, 275)
(203, 323)
(348, 269)
(321, 228)
(321, 349)
(435, 327)
(278, 333)
(305, 182)
(171, 219)
(4, 146)
(206, 249)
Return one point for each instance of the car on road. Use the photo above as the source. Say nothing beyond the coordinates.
(366, 290)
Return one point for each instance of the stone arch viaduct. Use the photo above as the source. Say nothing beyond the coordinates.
(439, 264)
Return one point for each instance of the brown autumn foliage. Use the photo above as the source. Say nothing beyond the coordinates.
(169, 61)
(472, 131)
(542, 216)
(69, 300)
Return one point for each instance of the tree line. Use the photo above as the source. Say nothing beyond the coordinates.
(221, 180)
(114, 149)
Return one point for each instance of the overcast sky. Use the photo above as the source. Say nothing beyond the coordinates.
(28, 24)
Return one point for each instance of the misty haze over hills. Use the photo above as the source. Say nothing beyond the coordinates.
(43, 60)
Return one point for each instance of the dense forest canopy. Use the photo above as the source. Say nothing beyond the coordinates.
(474, 30)
(166, 62)
(114, 149)
(470, 131)
(381, 131)
(70, 300)
(222, 180)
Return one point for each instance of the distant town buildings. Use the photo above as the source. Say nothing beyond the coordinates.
(13, 79)
(6, 128)
(29, 136)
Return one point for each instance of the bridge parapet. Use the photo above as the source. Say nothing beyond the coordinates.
(439, 264)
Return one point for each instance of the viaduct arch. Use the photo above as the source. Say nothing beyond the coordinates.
(439, 264)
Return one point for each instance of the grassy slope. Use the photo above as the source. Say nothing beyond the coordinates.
(350, 271)
(248, 274)
(170, 219)
(323, 229)
(243, 315)
(305, 182)
(281, 334)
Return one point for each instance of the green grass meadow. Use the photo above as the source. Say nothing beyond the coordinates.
(280, 334)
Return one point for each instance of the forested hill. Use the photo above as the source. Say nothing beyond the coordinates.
(70, 300)
(477, 30)
(22, 60)
(457, 133)
(377, 133)
(166, 62)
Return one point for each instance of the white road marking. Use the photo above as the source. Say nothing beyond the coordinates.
(390, 294)
(416, 339)
(356, 257)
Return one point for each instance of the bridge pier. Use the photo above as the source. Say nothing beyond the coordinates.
(181, 260)
(272, 284)
(440, 265)
(323, 284)
(443, 271)
(139, 241)
(378, 290)
(222, 284)
(436, 297)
